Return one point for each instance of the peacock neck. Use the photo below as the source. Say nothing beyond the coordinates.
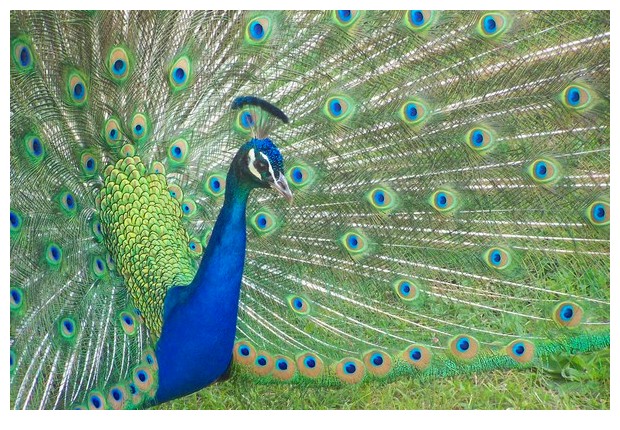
(195, 347)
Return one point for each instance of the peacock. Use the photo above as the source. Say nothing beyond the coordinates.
(306, 197)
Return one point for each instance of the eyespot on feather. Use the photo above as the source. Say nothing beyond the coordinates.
(464, 347)
(598, 213)
(491, 25)
(112, 132)
(96, 401)
(544, 171)
(180, 73)
(418, 20)
(568, 314)
(118, 397)
(444, 200)
(497, 258)
(140, 127)
(406, 289)
(378, 363)
(346, 18)
(576, 97)
(77, 88)
(382, 198)
(480, 139)
(215, 185)
(53, 254)
(350, 370)
(354, 243)
(35, 149)
(175, 192)
(520, 350)
(119, 64)
(17, 298)
(262, 364)
(22, 54)
(258, 30)
(310, 365)
(67, 328)
(283, 368)
(128, 322)
(244, 353)
(413, 112)
(417, 355)
(298, 304)
(338, 108)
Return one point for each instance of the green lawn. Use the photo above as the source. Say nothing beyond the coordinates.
(566, 382)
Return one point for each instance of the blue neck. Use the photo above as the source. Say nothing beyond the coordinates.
(198, 333)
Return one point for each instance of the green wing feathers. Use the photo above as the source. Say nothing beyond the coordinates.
(450, 169)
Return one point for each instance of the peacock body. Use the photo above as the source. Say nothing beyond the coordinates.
(450, 173)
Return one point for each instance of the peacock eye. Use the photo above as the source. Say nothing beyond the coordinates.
(260, 165)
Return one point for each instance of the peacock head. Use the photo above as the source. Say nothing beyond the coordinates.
(259, 164)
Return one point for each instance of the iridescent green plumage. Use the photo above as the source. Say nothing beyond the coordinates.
(450, 172)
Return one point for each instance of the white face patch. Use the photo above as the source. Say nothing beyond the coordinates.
(269, 164)
(252, 168)
(251, 160)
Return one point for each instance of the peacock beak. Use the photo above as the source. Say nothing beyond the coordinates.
(281, 186)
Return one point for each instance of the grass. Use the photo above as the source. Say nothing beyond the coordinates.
(566, 382)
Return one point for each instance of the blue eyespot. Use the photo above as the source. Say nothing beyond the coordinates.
(78, 91)
(376, 359)
(598, 212)
(405, 288)
(441, 200)
(335, 107)
(344, 15)
(244, 350)
(541, 169)
(261, 361)
(179, 75)
(186, 208)
(297, 175)
(415, 354)
(24, 57)
(573, 97)
(142, 376)
(37, 148)
(350, 368)
(412, 112)
(119, 67)
(256, 30)
(15, 221)
(417, 17)
(90, 164)
(216, 184)
(310, 362)
(353, 241)
(462, 344)
(128, 320)
(379, 197)
(113, 134)
(132, 389)
(261, 220)
(490, 25)
(138, 129)
(496, 257)
(116, 394)
(477, 138)
(567, 312)
(297, 303)
(247, 120)
(282, 364)
(518, 349)
(95, 401)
